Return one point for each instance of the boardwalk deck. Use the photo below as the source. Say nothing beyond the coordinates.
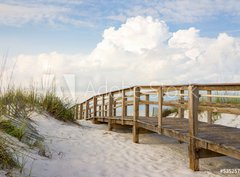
(205, 139)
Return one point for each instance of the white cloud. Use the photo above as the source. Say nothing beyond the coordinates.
(142, 51)
(185, 11)
(87, 13)
(18, 14)
(136, 35)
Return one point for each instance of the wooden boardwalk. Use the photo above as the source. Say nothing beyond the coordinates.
(131, 106)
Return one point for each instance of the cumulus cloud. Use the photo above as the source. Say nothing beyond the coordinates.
(132, 35)
(141, 51)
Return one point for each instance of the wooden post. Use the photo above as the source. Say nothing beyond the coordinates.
(99, 110)
(94, 110)
(75, 111)
(160, 105)
(106, 113)
(193, 126)
(123, 106)
(87, 108)
(136, 99)
(81, 112)
(147, 106)
(181, 101)
(94, 107)
(209, 113)
(89, 113)
(110, 109)
(114, 109)
(103, 106)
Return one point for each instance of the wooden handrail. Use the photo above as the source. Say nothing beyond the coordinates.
(147, 91)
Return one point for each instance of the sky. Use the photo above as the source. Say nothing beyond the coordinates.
(88, 44)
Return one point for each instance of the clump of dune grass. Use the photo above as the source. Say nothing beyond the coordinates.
(16, 105)
(25, 101)
(8, 127)
(56, 106)
(6, 158)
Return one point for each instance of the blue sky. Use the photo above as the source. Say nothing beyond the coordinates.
(73, 26)
(93, 42)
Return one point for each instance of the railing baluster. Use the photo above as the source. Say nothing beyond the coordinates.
(103, 106)
(160, 105)
(181, 101)
(209, 113)
(110, 109)
(123, 106)
(81, 111)
(147, 106)
(87, 107)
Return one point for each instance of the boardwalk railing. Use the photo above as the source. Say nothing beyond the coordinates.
(131, 106)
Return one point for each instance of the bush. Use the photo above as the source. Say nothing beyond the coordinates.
(12, 130)
(6, 159)
(57, 107)
(25, 101)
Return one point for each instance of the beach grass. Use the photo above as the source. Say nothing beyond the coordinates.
(16, 106)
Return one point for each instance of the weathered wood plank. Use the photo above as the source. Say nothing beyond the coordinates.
(136, 114)
(193, 127)
(181, 101)
(160, 107)
(87, 109)
(209, 113)
(103, 106)
(81, 111)
(145, 102)
(110, 110)
(123, 114)
(147, 106)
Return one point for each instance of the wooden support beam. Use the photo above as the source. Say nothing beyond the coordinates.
(87, 109)
(123, 106)
(114, 109)
(209, 113)
(181, 101)
(103, 106)
(76, 112)
(99, 110)
(126, 106)
(94, 107)
(136, 99)
(148, 102)
(94, 120)
(205, 153)
(81, 112)
(147, 106)
(160, 105)
(89, 113)
(193, 126)
(110, 110)
(106, 110)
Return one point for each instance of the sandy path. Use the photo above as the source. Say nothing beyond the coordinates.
(90, 151)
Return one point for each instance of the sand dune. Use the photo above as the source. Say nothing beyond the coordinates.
(89, 150)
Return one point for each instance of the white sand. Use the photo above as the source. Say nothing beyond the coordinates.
(90, 150)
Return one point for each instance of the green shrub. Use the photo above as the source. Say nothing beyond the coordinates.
(6, 159)
(9, 128)
(24, 101)
(57, 107)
